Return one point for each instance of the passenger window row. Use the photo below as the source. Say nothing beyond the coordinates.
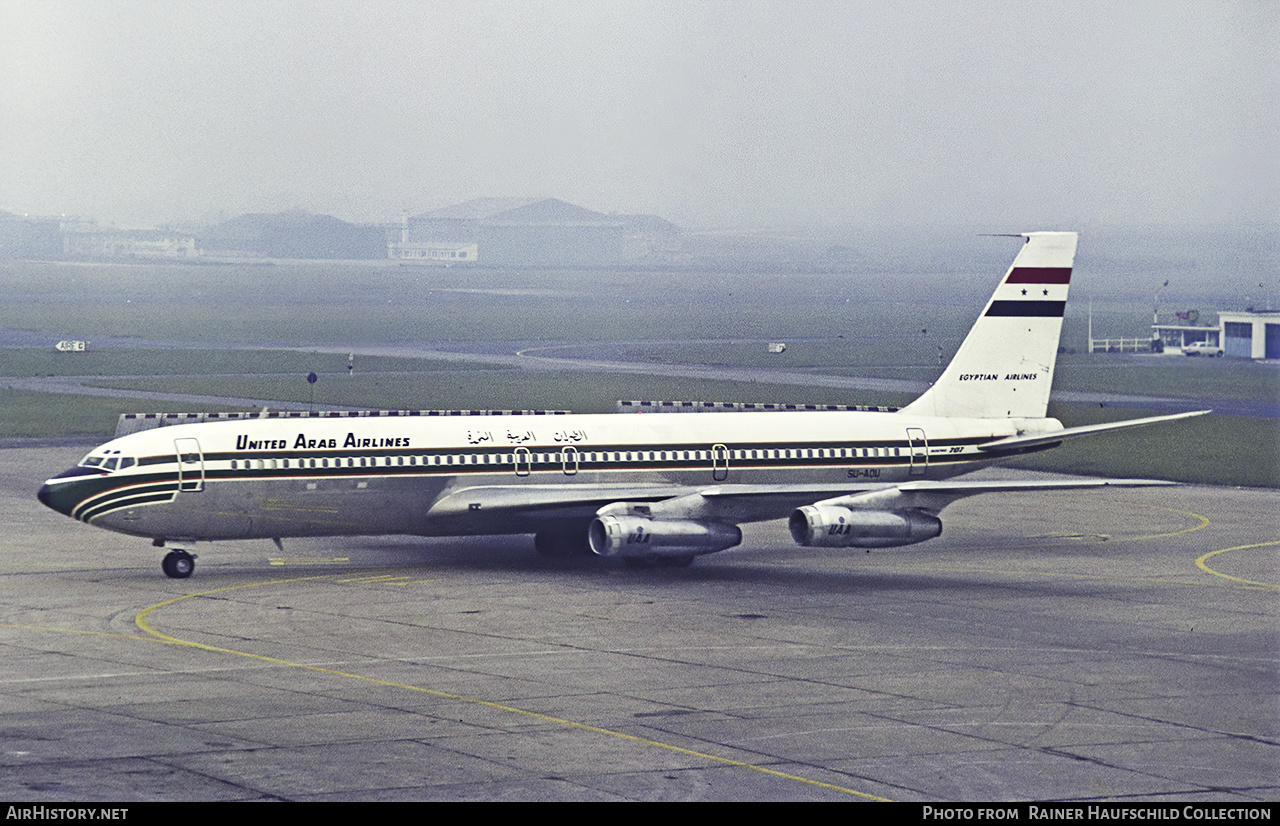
(557, 458)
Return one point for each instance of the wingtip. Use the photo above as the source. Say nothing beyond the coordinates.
(1141, 483)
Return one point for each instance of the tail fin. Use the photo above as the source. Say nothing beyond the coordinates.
(1005, 366)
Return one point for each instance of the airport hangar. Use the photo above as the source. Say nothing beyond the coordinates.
(530, 232)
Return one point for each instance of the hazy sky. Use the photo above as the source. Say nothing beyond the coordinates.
(1031, 114)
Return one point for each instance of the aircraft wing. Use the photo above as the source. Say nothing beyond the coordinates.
(534, 498)
(730, 503)
(927, 495)
(573, 501)
(1019, 442)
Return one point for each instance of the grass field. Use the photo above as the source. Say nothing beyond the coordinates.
(25, 362)
(27, 414)
(581, 392)
(1212, 450)
(1178, 376)
(336, 304)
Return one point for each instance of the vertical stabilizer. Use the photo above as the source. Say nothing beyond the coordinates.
(1004, 368)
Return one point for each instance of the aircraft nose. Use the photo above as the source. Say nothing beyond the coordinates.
(50, 499)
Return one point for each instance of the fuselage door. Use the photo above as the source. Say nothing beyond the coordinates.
(523, 461)
(569, 456)
(190, 465)
(918, 448)
(719, 463)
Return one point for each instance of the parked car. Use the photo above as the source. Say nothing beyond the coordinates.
(1202, 348)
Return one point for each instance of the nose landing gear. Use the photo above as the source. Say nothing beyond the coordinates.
(178, 564)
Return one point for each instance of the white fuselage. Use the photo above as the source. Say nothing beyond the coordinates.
(389, 474)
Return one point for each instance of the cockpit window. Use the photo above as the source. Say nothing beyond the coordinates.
(108, 463)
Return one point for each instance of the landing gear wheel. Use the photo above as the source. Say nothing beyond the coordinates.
(178, 564)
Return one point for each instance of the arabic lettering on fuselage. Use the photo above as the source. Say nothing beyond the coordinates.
(570, 436)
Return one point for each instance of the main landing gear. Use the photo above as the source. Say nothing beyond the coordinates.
(178, 564)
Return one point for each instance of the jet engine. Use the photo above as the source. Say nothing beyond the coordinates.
(640, 536)
(831, 526)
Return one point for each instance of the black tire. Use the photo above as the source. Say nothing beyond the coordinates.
(178, 564)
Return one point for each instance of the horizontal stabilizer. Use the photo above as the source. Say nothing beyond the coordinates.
(1021, 442)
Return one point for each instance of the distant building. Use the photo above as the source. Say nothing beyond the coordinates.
(434, 252)
(91, 241)
(1173, 337)
(1254, 334)
(22, 236)
(295, 234)
(530, 232)
(1251, 334)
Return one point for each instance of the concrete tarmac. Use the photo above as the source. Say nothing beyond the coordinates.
(1096, 645)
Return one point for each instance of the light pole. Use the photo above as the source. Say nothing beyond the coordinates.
(1155, 314)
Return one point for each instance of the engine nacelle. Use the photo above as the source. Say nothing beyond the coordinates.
(831, 526)
(638, 536)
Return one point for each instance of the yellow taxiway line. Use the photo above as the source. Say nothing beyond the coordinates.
(141, 620)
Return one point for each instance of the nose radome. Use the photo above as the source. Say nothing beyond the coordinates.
(49, 499)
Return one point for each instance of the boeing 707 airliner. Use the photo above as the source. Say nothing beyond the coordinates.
(653, 489)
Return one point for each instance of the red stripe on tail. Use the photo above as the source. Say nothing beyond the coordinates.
(1039, 275)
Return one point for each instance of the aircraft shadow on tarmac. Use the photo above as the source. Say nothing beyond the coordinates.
(831, 572)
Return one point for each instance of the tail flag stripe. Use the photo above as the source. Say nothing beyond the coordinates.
(1039, 275)
(1027, 309)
